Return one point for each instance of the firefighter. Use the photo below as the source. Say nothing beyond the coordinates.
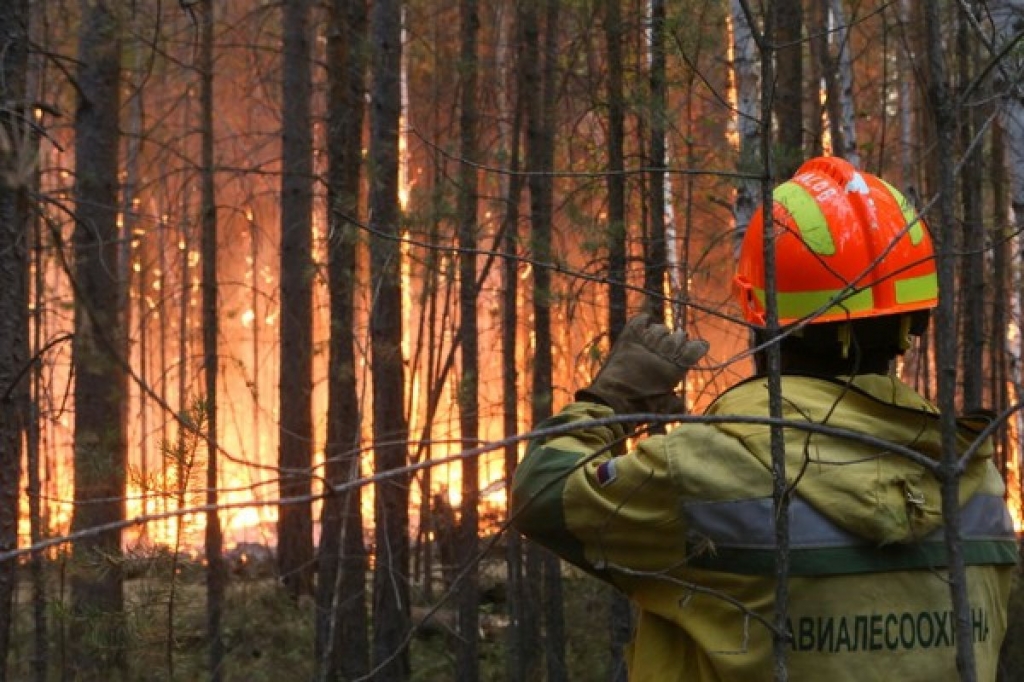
(683, 522)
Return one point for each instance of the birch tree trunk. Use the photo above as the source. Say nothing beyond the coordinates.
(391, 608)
(655, 258)
(844, 126)
(342, 643)
(295, 456)
(97, 597)
(746, 79)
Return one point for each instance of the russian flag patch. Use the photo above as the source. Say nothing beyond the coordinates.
(606, 473)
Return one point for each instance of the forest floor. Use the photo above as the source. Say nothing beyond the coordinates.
(269, 638)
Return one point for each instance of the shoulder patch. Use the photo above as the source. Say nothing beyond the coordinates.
(606, 473)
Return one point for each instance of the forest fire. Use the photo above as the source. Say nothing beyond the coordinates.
(162, 499)
(268, 249)
(166, 461)
(1012, 473)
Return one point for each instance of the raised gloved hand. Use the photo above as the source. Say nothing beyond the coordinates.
(644, 367)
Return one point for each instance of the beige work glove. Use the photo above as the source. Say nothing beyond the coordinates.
(646, 364)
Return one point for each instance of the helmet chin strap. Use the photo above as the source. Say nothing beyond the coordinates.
(905, 324)
(845, 334)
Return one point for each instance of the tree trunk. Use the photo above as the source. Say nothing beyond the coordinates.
(467, 667)
(133, 239)
(655, 255)
(1006, 17)
(34, 462)
(914, 127)
(844, 124)
(518, 642)
(620, 620)
(14, 270)
(773, 361)
(213, 540)
(540, 60)
(295, 456)
(616, 180)
(788, 97)
(341, 621)
(999, 378)
(748, 117)
(97, 599)
(823, 71)
(973, 238)
(943, 229)
(391, 613)
(540, 393)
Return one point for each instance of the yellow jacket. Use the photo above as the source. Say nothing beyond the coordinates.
(683, 524)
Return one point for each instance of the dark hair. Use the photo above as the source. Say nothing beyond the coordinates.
(864, 346)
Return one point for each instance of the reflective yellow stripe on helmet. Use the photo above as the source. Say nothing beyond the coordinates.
(794, 305)
(909, 214)
(915, 289)
(807, 216)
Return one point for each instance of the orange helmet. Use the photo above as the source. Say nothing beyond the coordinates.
(848, 245)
